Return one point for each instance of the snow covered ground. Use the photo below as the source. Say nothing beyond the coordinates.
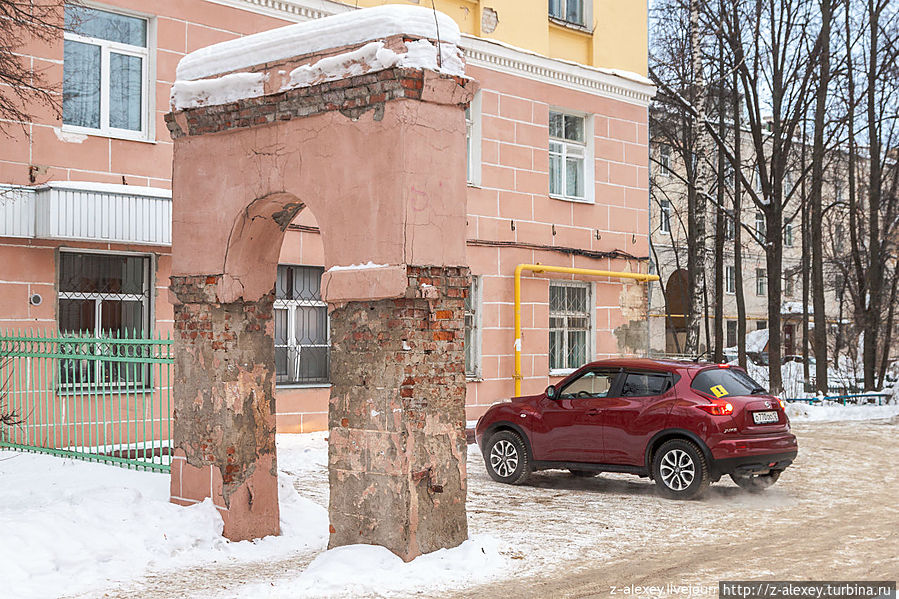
(802, 412)
(70, 528)
(76, 529)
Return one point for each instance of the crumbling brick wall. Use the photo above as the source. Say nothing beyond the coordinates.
(224, 401)
(397, 410)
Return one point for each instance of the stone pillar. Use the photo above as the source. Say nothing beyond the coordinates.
(397, 446)
(223, 394)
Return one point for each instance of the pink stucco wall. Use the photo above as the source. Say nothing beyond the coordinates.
(513, 190)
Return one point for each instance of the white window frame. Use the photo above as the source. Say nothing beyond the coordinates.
(586, 12)
(475, 296)
(788, 235)
(591, 323)
(730, 279)
(761, 282)
(760, 224)
(665, 216)
(473, 141)
(148, 73)
(588, 157)
(788, 285)
(730, 225)
(664, 169)
(290, 306)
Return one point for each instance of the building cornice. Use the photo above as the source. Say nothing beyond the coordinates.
(497, 56)
(289, 10)
(488, 54)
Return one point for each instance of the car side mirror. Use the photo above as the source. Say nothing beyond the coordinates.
(551, 392)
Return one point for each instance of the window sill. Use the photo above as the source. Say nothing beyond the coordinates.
(580, 27)
(100, 390)
(106, 134)
(476, 378)
(561, 371)
(302, 386)
(473, 184)
(568, 199)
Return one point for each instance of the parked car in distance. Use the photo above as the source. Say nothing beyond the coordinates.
(683, 424)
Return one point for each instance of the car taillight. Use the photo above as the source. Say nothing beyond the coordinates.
(783, 405)
(718, 408)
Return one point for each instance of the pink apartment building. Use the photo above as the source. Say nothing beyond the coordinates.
(558, 176)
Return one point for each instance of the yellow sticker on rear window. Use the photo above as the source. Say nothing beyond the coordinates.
(719, 390)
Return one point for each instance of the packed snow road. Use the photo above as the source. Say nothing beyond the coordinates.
(833, 515)
(85, 530)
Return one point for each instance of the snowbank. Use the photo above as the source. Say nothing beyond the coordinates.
(375, 57)
(70, 527)
(225, 89)
(802, 412)
(346, 29)
(369, 570)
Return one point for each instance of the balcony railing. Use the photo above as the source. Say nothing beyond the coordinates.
(87, 211)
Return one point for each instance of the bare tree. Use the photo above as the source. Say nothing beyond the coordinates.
(22, 85)
(815, 220)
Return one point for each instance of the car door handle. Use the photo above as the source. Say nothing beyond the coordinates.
(592, 412)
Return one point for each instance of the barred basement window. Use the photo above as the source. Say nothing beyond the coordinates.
(473, 330)
(103, 295)
(569, 325)
(302, 347)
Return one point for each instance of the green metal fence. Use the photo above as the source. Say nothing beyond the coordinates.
(105, 398)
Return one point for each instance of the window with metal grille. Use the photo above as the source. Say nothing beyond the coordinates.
(567, 152)
(569, 325)
(103, 296)
(302, 347)
(105, 72)
(473, 330)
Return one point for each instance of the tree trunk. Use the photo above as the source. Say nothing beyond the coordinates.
(738, 224)
(816, 225)
(696, 256)
(875, 271)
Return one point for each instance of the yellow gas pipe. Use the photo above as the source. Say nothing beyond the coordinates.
(537, 268)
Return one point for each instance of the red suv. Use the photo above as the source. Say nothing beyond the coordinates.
(683, 424)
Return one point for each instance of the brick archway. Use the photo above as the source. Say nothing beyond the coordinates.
(379, 157)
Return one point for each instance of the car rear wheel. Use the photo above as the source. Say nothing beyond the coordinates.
(756, 483)
(680, 470)
(506, 458)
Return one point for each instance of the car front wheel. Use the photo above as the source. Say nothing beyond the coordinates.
(506, 458)
(680, 470)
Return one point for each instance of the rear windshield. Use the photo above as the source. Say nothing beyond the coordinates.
(724, 382)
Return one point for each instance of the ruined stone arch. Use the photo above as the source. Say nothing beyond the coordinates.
(379, 158)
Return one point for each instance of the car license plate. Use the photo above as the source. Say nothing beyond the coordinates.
(764, 417)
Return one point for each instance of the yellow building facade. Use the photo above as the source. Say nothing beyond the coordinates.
(608, 34)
